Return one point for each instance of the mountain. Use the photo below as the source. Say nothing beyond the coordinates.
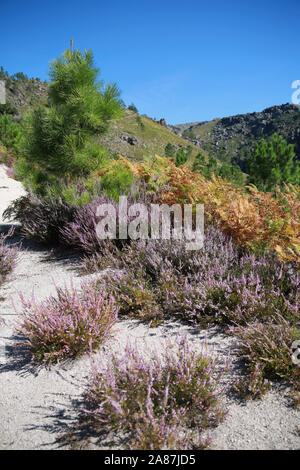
(22, 93)
(139, 136)
(232, 139)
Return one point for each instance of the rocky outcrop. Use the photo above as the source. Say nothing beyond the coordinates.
(234, 138)
(130, 139)
(163, 122)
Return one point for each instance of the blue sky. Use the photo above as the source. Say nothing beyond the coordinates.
(188, 60)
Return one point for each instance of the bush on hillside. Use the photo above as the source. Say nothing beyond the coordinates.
(210, 167)
(169, 150)
(274, 164)
(133, 108)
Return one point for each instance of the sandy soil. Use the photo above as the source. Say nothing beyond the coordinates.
(38, 405)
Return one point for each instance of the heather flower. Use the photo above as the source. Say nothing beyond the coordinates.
(10, 172)
(8, 257)
(161, 402)
(67, 325)
(267, 349)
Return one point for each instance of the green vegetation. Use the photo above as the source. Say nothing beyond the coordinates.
(183, 155)
(274, 164)
(10, 132)
(59, 141)
(116, 181)
(140, 123)
(229, 172)
(188, 134)
(169, 150)
(7, 108)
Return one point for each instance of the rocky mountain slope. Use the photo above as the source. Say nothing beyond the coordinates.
(138, 136)
(233, 138)
(22, 94)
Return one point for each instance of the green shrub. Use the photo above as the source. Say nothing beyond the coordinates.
(116, 181)
(59, 141)
(140, 123)
(8, 108)
(10, 132)
(169, 150)
(182, 156)
(274, 164)
(211, 166)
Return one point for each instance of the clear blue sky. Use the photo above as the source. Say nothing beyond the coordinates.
(187, 60)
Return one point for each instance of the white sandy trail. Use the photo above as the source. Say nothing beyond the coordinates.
(10, 190)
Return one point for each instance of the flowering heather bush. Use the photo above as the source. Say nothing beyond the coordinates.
(69, 219)
(267, 350)
(67, 325)
(162, 402)
(81, 234)
(254, 385)
(8, 257)
(219, 284)
(10, 172)
(40, 218)
(134, 296)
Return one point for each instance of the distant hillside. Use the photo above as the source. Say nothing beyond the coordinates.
(22, 93)
(140, 136)
(232, 139)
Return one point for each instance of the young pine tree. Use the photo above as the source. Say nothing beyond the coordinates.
(60, 140)
(181, 157)
(169, 150)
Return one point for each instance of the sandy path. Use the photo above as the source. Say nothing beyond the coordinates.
(36, 406)
(9, 190)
